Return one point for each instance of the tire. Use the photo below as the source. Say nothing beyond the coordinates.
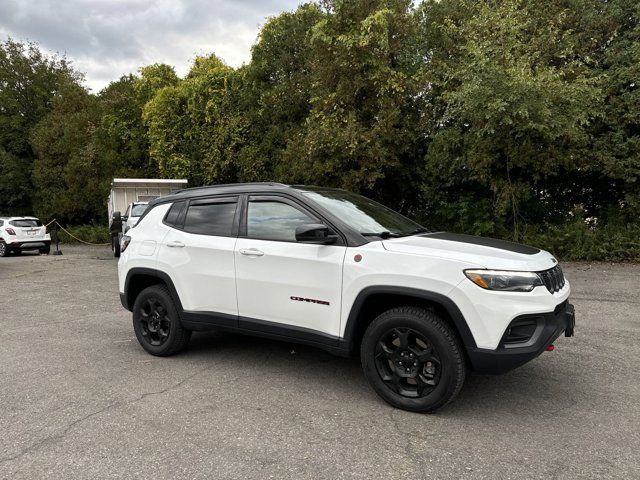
(115, 245)
(45, 251)
(4, 250)
(157, 324)
(413, 359)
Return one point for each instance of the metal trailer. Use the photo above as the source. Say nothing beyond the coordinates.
(126, 191)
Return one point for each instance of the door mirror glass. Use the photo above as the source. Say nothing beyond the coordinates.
(316, 233)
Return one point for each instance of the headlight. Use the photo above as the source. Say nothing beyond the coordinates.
(504, 280)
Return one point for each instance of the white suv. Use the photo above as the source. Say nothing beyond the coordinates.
(18, 234)
(332, 269)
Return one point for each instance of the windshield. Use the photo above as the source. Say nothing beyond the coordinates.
(364, 215)
(26, 223)
(138, 210)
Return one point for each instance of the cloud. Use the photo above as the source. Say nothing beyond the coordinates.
(107, 39)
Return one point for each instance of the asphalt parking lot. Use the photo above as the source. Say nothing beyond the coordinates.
(80, 399)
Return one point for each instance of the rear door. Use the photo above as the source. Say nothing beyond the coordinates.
(198, 254)
(282, 283)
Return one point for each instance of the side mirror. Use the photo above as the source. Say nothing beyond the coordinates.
(315, 233)
(124, 218)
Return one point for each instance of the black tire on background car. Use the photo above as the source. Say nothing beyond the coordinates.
(45, 251)
(4, 251)
(157, 324)
(115, 245)
(412, 359)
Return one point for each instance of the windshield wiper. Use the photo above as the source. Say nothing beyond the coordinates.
(383, 235)
(415, 232)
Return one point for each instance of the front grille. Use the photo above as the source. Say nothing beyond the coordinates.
(553, 279)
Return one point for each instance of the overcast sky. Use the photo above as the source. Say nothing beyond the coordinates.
(106, 39)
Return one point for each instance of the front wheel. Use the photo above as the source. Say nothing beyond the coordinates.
(4, 250)
(156, 322)
(412, 359)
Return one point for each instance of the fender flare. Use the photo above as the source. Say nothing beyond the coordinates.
(149, 272)
(459, 322)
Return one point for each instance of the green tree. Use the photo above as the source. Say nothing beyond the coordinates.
(193, 130)
(29, 81)
(512, 104)
(274, 93)
(365, 101)
(65, 176)
(617, 134)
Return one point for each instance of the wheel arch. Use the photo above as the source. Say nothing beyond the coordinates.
(374, 300)
(139, 278)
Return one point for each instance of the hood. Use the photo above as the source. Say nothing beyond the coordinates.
(477, 251)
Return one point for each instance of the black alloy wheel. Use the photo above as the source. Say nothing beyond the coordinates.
(407, 362)
(155, 325)
(413, 359)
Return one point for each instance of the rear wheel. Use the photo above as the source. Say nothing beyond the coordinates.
(45, 251)
(412, 359)
(4, 250)
(157, 324)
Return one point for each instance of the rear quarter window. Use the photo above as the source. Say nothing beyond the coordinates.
(172, 218)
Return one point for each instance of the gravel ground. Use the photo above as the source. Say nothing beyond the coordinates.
(80, 398)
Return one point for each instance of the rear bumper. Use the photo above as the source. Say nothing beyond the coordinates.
(548, 327)
(31, 245)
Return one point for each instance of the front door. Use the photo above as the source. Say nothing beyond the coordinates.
(281, 282)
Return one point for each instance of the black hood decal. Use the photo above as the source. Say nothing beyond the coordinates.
(484, 241)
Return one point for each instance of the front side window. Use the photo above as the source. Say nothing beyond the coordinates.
(211, 217)
(273, 220)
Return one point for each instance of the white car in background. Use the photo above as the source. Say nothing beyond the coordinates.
(133, 214)
(18, 234)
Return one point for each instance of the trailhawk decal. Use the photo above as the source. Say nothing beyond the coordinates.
(310, 300)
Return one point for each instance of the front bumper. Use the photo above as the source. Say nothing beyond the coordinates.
(546, 327)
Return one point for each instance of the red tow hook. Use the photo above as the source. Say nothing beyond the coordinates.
(550, 348)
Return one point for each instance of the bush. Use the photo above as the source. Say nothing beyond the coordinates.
(578, 241)
(96, 234)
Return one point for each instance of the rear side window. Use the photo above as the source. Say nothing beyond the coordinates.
(1, 223)
(173, 215)
(26, 223)
(211, 217)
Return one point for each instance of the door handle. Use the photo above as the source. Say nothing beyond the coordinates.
(252, 252)
(175, 244)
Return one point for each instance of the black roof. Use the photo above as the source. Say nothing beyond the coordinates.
(234, 188)
(351, 235)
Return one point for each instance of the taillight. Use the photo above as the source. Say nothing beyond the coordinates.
(124, 243)
(10, 231)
